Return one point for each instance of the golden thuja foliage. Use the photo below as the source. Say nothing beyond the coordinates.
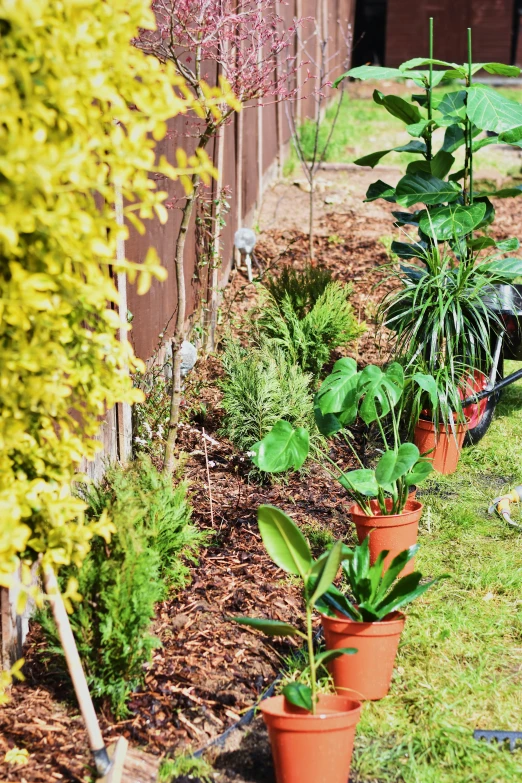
(81, 110)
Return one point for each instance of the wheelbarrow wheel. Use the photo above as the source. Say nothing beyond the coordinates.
(480, 414)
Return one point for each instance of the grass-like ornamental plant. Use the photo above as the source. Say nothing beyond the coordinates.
(374, 593)
(345, 394)
(289, 550)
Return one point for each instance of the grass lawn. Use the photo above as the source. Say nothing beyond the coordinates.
(365, 127)
(460, 662)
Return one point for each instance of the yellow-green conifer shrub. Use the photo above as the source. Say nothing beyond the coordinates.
(80, 112)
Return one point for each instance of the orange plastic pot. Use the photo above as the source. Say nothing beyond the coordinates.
(368, 673)
(310, 748)
(395, 532)
(444, 449)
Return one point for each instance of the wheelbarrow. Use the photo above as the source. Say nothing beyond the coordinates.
(484, 391)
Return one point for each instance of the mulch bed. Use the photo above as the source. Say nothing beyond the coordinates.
(209, 671)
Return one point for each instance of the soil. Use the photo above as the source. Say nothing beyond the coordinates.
(208, 671)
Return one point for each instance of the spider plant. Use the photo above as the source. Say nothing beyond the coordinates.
(443, 321)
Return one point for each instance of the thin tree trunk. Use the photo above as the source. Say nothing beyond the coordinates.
(179, 331)
(311, 216)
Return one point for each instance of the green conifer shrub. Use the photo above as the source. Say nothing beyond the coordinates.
(307, 314)
(260, 382)
(121, 582)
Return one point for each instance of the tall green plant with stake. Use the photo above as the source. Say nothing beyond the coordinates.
(289, 550)
(443, 313)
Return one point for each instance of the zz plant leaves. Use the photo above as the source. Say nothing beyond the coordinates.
(289, 549)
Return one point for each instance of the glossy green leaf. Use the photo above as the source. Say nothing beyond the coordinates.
(361, 480)
(327, 424)
(405, 591)
(268, 627)
(396, 106)
(453, 221)
(283, 448)
(506, 192)
(407, 218)
(378, 190)
(328, 572)
(417, 129)
(334, 601)
(454, 104)
(380, 390)
(429, 385)
(338, 391)
(505, 245)
(405, 250)
(423, 188)
(283, 541)
(453, 138)
(395, 464)
(489, 110)
(330, 655)
(299, 695)
(365, 72)
(499, 69)
(505, 268)
(394, 569)
(420, 473)
(417, 62)
(478, 145)
(374, 157)
(441, 164)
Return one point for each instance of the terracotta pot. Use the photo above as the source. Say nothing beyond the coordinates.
(368, 673)
(446, 448)
(395, 532)
(310, 748)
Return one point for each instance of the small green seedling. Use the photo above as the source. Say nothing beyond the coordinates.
(289, 550)
(376, 593)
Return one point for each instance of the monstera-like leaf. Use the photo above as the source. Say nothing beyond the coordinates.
(284, 447)
(338, 392)
(379, 390)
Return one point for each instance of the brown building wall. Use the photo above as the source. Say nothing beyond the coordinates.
(492, 23)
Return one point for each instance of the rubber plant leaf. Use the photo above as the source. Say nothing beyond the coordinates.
(506, 268)
(405, 250)
(328, 571)
(505, 245)
(364, 72)
(330, 655)
(441, 164)
(499, 69)
(451, 222)
(374, 157)
(299, 695)
(398, 107)
(338, 391)
(424, 188)
(268, 627)
(491, 111)
(395, 464)
(284, 542)
(378, 190)
(453, 138)
(284, 447)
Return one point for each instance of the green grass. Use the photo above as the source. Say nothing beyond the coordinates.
(365, 127)
(187, 765)
(460, 661)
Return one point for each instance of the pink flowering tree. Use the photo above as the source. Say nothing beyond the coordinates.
(241, 42)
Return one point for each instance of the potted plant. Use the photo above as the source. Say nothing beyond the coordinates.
(381, 507)
(449, 264)
(439, 421)
(371, 621)
(311, 733)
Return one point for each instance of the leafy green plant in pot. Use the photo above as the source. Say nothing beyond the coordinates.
(311, 734)
(444, 311)
(371, 621)
(381, 507)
